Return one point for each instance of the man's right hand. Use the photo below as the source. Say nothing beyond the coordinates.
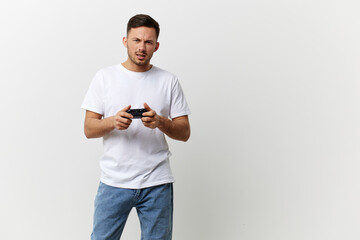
(122, 119)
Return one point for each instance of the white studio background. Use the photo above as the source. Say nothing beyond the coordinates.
(274, 91)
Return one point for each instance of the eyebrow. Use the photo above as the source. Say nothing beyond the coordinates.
(136, 38)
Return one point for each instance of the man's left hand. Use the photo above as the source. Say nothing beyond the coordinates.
(150, 119)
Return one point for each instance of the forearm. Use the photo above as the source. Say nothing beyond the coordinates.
(178, 130)
(95, 128)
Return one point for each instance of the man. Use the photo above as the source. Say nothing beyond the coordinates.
(135, 170)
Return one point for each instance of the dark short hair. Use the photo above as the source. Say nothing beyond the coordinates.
(143, 20)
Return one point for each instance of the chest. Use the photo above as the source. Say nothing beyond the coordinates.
(135, 92)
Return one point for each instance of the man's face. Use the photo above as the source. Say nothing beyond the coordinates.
(141, 43)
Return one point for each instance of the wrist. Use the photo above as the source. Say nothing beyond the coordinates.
(163, 123)
(110, 123)
(159, 121)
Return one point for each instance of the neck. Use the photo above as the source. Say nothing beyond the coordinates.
(129, 65)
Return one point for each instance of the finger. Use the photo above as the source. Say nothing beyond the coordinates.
(147, 107)
(125, 121)
(149, 125)
(126, 118)
(147, 119)
(122, 120)
(125, 108)
(122, 114)
(146, 124)
(149, 114)
(122, 126)
(119, 126)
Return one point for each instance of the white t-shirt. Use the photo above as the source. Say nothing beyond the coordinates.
(137, 157)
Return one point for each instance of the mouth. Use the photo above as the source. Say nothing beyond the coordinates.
(140, 56)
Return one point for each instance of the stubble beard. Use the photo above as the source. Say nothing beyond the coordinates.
(138, 63)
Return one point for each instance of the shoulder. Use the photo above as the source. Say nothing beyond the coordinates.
(108, 73)
(109, 69)
(164, 73)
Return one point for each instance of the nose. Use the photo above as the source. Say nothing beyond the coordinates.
(141, 47)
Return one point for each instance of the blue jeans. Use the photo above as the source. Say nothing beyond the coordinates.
(154, 206)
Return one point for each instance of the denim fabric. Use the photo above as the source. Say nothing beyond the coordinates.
(154, 206)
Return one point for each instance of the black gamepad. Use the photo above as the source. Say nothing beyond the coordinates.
(137, 113)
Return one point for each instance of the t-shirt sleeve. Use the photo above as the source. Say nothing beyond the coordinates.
(178, 106)
(94, 97)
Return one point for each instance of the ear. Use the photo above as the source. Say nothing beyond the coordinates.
(157, 46)
(125, 41)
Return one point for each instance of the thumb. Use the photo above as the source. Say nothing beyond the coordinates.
(147, 107)
(125, 108)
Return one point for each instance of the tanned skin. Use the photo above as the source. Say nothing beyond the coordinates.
(141, 43)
